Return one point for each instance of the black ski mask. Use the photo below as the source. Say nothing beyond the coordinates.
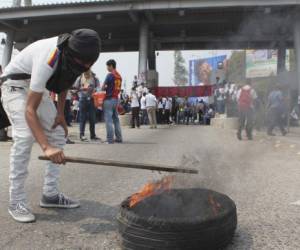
(82, 44)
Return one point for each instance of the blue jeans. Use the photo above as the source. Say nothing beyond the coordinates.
(87, 110)
(111, 118)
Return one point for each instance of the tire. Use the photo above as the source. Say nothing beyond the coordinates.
(146, 227)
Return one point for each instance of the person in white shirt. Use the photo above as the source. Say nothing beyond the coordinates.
(135, 108)
(144, 110)
(141, 89)
(53, 65)
(151, 104)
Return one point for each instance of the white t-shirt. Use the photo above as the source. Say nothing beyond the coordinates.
(160, 105)
(150, 100)
(75, 105)
(134, 99)
(143, 102)
(141, 90)
(39, 59)
(168, 104)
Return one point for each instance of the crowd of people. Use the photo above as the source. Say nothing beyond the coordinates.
(146, 109)
(242, 101)
(144, 106)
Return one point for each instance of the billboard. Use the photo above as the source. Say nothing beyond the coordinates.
(204, 71)
(261, 63)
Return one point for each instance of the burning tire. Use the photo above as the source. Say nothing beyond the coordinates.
(178, 219)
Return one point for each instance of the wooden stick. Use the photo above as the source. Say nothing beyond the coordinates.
(127, 165)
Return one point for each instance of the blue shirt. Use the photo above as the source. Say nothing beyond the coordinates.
(275, 99)
(110, 82)
(113, 84)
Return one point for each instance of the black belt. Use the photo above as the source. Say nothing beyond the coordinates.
(16, 77)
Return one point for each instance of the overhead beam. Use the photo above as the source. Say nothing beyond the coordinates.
(233, 39)
(133, 5)
(10, 26)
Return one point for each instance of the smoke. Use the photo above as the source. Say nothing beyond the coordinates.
(270, 28)
(214, 172)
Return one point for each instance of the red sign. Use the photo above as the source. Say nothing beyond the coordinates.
(189, 91)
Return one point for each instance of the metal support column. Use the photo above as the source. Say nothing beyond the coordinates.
(281, 63)
(152, 58)
(152, 75)
(143, 49)
(297, 50)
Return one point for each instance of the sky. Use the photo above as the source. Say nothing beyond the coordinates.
(127, 62)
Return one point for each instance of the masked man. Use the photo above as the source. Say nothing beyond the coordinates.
(47, 65)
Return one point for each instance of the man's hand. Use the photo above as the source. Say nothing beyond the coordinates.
(60, 120)
(56, 155)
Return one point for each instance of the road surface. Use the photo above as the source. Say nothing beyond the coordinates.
(261, 176)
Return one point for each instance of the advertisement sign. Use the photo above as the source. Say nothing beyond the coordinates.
(261, 63)
(204, 72)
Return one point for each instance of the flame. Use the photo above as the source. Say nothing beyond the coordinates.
(150, 189)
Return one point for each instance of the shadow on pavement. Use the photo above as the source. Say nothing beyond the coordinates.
(89, 210)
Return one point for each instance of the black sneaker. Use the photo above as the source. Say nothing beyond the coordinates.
(68, 141)
(58, 201)
(83, 138)
(95, 138)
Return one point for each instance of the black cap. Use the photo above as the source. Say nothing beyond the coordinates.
(85, 44)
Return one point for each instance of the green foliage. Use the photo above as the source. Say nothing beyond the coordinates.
(180, 71)
(292, 60)
(237, 67)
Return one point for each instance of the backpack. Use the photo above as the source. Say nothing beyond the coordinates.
(245, 101)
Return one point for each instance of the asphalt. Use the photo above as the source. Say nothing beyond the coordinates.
(261, 176)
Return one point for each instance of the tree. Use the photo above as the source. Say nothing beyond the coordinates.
(237, 67)
(180, 71)
(292, 60)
